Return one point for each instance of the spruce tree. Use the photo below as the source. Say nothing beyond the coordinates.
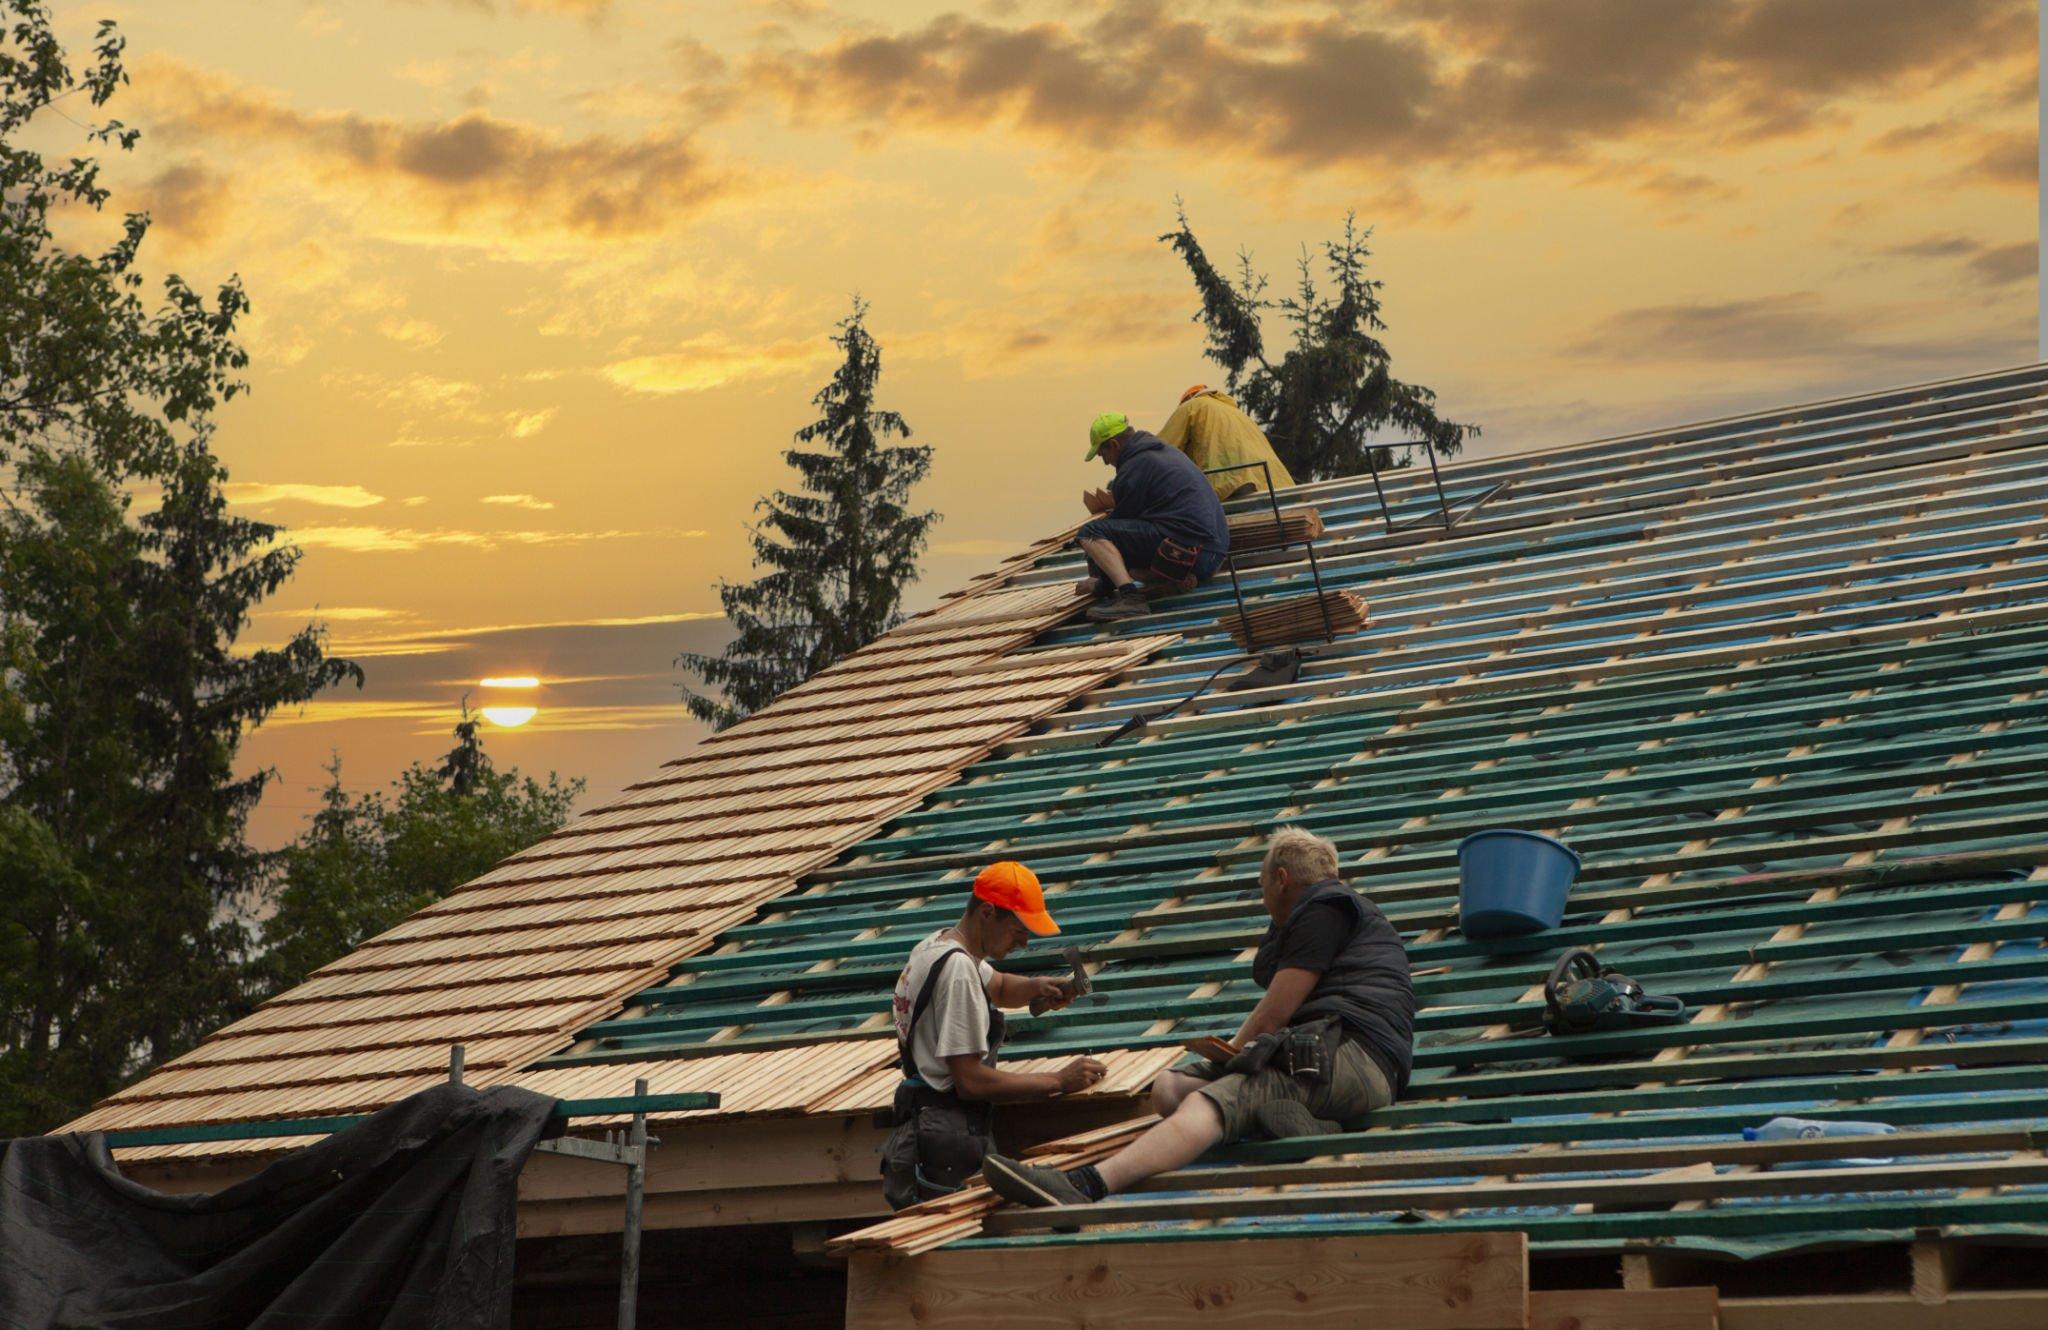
(838, 553)
(1330, 402)
(124, 691)
(466, 763)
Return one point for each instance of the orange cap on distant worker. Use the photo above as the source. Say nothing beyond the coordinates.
(1198, 388)
(1009, 885)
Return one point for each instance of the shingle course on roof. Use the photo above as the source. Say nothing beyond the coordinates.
(511, 964)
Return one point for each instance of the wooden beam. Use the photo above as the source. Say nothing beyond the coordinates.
(1845, 599)
(1820, 631)
(1797, 576)
(1625, 1309)
(1575, 1191)
(1963, 1311)
(706, 1209)
(712, 1156)
(1451, 1164)
(1477, 1281)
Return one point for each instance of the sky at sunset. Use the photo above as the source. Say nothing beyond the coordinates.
(542, 287)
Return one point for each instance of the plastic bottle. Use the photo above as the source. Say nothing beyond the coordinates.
(1806, 1129)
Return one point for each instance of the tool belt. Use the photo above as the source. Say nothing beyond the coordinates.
(938, 1142)
(1173, 564)
(1582, 996)
(1306, 1052)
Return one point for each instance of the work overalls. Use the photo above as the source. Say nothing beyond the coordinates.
(939, 1138)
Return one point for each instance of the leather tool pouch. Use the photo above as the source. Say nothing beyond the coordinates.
(1310, 1050)
(934, 1148)
(1173, 563)
(899, 1166)
(952, 1140)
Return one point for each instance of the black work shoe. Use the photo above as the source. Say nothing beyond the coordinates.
(1129, 603)
(1035, 1185)
(1284, 1120)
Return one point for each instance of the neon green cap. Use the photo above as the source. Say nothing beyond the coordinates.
(1106, 427)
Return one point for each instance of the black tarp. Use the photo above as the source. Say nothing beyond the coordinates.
(405, 1220)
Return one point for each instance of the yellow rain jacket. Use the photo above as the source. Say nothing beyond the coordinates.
(1211, 429)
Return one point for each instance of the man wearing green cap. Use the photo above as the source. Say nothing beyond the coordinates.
(1159, 514)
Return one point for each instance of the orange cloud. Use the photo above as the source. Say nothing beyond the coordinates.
(711, 361)
(1998, 265)
(1795, 330)
(452, 173)
(187, 201)
(1037, 328)
(325, 496)
(2004, 157)
(366, 539)
(1992, 264)
(1416, 82)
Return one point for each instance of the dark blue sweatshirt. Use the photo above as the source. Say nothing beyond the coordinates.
(1161, 485)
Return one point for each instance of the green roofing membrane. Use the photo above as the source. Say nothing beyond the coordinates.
(1782, 681)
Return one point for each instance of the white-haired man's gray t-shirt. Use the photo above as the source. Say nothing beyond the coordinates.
(956, 1021)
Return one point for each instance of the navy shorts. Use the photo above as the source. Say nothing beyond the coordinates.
(1138, 541)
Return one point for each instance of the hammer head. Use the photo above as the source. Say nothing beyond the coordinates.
(1079, 983)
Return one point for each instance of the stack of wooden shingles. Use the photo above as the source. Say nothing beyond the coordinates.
(512, 963)
(933, 1224)
(1296, 619)
(1254, 531)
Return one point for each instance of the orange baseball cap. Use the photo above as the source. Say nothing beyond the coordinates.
(1013, 887)
(1198, 388)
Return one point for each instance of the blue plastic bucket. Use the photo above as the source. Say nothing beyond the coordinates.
(1512, 882)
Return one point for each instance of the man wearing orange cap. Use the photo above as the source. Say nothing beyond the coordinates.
(948, 1028)
(1214, 432)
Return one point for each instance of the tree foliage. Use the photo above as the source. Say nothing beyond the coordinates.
(366, 862)
(124, 585)
(838, 553)
(1330, 401)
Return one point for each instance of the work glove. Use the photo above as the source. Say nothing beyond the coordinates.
(1254, 1056)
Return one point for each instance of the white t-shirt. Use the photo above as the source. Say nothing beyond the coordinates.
(955, 1021)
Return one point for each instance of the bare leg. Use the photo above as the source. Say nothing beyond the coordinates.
(1170, 1089)
(1108, 558)
(1174, 1143)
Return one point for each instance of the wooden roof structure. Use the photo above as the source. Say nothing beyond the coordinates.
(1781, 679)
(512, 964)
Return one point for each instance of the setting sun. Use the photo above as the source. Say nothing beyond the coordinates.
(510, 714)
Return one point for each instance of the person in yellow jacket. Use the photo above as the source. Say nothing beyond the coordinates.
(1213, 431)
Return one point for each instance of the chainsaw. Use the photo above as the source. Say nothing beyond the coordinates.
(1582, 996)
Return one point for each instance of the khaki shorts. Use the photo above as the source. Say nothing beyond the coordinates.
(1356, 1086)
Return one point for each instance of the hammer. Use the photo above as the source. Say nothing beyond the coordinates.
(1077, 983)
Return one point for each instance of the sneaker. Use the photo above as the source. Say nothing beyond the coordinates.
(1035, 1185)
(1129, 603)
(1284, 1120)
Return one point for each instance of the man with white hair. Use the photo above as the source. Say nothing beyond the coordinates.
(1332, 1040)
